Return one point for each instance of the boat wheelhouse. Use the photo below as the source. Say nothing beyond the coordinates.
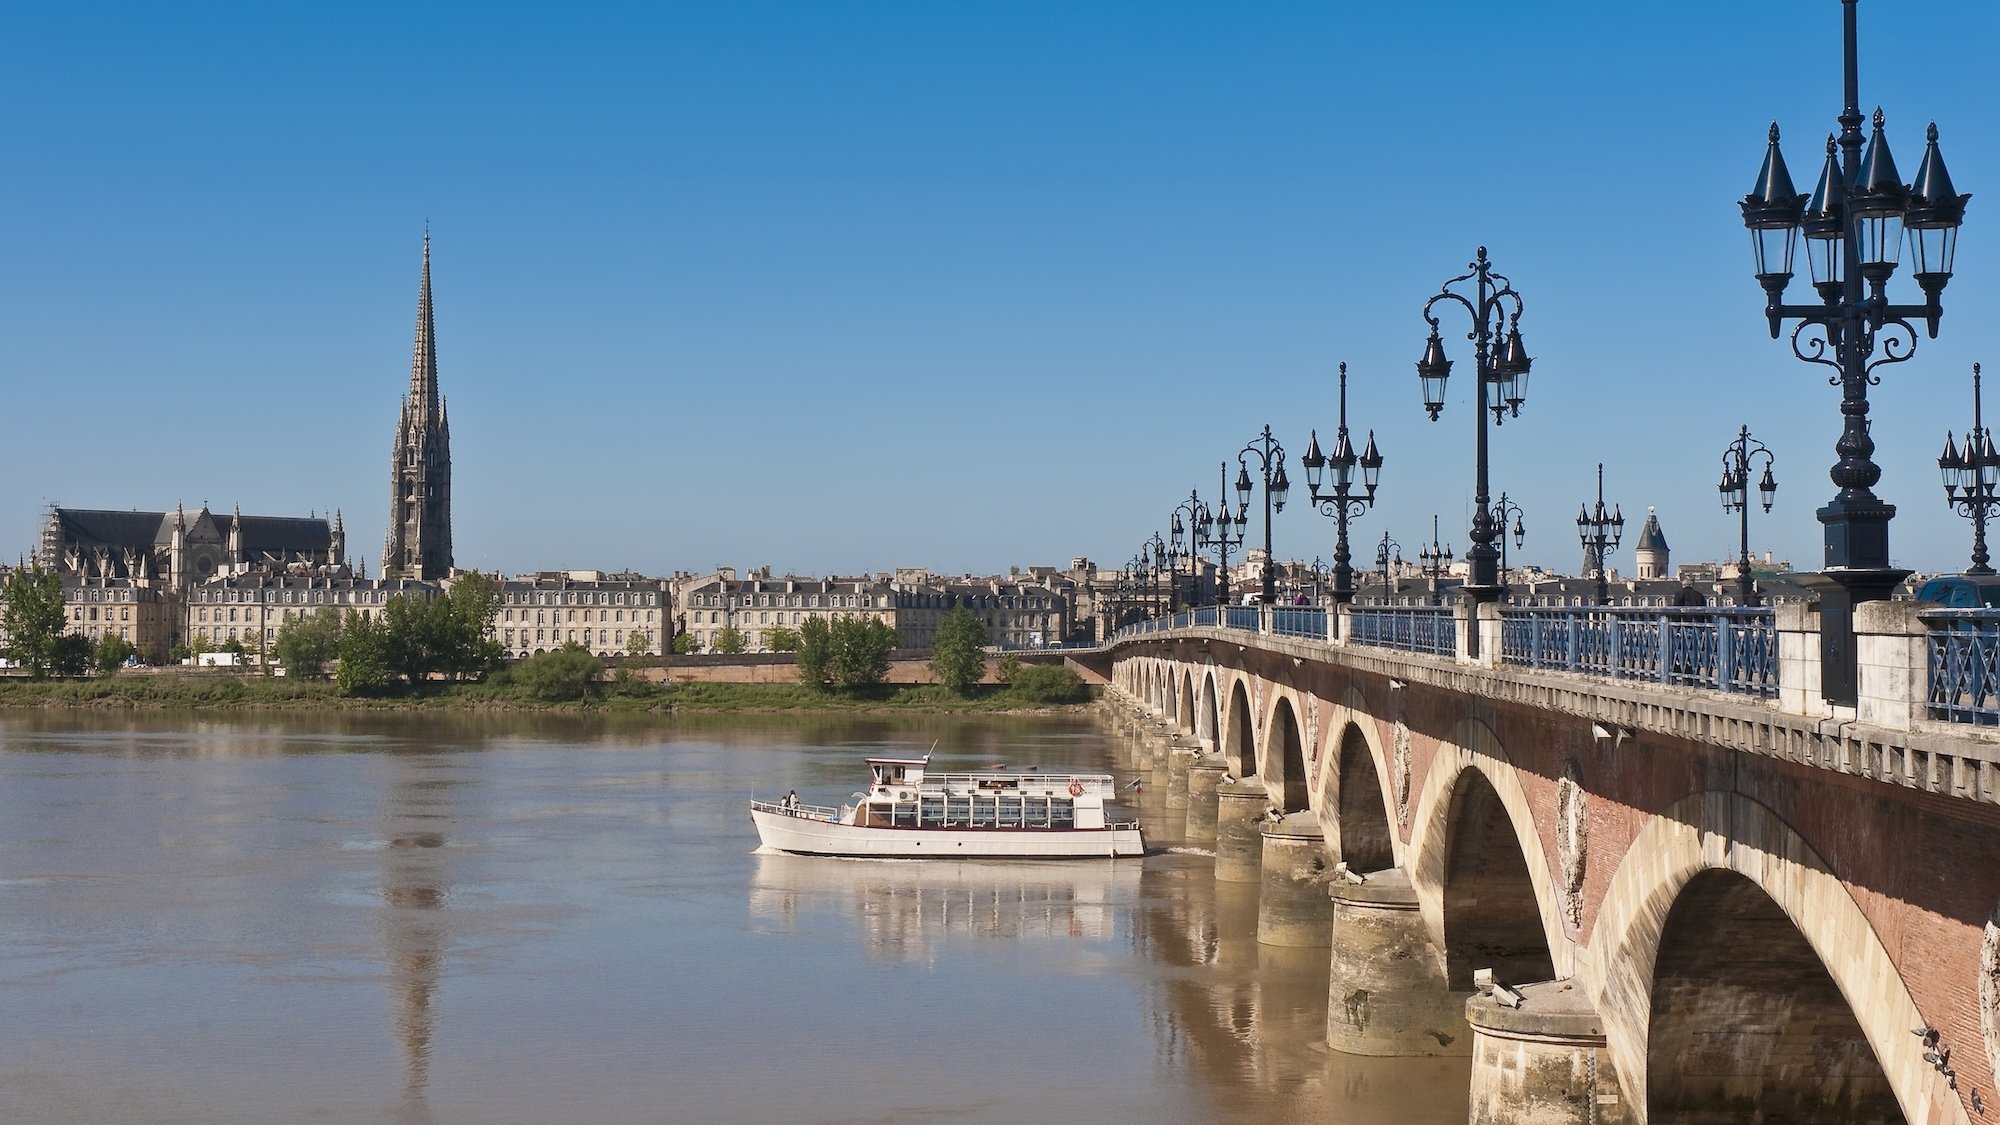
(910, 812)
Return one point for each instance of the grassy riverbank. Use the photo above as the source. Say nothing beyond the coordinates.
(230, 692)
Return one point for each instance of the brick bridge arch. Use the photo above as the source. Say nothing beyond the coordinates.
(1239, 742)
(1449, 797)
(1357, 806)
(1727, 832)
(1868, 854)
(1208, 716)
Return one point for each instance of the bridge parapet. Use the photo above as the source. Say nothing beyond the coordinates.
(1925, 680)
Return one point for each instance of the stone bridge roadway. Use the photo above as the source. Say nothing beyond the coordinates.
(1698, 907)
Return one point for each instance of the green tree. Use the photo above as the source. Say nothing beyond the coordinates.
(1048, 683)
(636, 643)
(560, 674)
(815, 652)
(958, 650)
(405, 637)
(784, 638)
(729, 640)
(308, 644)
(458, 636)
(1010, 664)
(33, 618)
(861, 648)
(364, 666)
(71, 656)
(684, 644)
(112, 653)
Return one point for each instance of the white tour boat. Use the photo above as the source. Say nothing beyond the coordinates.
(909, 813)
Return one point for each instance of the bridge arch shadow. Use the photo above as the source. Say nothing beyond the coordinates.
(1240, 741)
(1737, 971)
(1482, 877)
(1208, 718)
(1285, 758)
(1354, 805)
(1184, 694)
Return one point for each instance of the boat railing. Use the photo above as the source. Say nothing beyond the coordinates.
(803, 812)
(1101, 783)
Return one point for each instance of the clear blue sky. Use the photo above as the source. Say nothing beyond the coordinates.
(839, 287)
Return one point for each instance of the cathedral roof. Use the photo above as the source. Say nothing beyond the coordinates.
(285, 533)
(87, 527)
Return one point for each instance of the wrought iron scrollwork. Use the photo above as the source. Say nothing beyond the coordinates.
(1813, 349)
(1897, 341)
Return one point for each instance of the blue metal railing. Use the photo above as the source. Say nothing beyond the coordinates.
(1430, 629)
(1964, 665)
(1721, 649)
(1292, 621)
(1730, 649)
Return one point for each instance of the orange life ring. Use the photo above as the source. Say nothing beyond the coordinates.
(1075, 788)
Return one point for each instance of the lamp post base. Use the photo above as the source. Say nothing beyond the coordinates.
(1840, 589)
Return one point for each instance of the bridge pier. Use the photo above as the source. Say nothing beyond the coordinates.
(1292, 906)
(1542, 1062)
(1204, 776)
(1386, 992)
(1239, 845)
(1180, 756)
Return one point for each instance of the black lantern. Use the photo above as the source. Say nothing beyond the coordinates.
(1972, 479)
(1854, 225)
(1495, 308)
(1341, 502)
(1737, 461)
(1271, 465)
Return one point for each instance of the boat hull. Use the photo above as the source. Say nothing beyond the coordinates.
(809, 835)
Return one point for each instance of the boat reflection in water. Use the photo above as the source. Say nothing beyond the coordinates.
(904, 907)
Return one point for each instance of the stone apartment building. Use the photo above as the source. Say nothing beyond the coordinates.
(142, 614)
(1015, 613)
(539, 612)
(759, 602)
(250, 608)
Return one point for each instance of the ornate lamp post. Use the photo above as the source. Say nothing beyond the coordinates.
(1503, 510)
(1435, 558)
(1737, 461)
(1502, 364)
(1213, 528)
(1854, 223)
(1600, 532)
(1340, 502)
(1181, 539)
(1972, 479)
(1382, 562)
(1271, 463)
(1153, 557)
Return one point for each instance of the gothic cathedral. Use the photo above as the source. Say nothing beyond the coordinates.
(418, 543)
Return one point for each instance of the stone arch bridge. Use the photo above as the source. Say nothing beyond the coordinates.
(1630, 897)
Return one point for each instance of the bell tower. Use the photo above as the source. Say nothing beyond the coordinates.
(418, 542)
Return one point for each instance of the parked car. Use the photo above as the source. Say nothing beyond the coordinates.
(1962, 591)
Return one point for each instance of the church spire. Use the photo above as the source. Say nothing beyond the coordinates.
(423, 355)
(418, 542)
